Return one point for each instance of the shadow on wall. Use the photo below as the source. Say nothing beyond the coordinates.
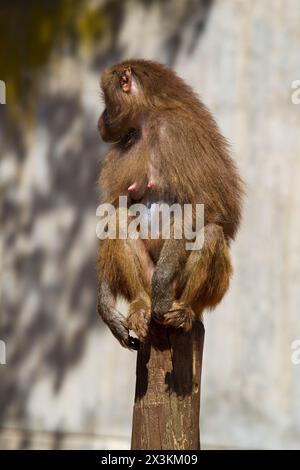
(49, 196)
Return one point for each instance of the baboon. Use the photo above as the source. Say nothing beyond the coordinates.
(166, 146)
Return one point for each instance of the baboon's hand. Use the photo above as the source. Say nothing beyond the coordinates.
(120, 330)
(118, 326)
(179, 315)
(139, 316)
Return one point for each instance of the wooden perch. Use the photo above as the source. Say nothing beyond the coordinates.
(167, 398)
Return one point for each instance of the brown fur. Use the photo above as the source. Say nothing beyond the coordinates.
(165, 131)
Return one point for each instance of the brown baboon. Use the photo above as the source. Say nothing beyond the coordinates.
(166, 147)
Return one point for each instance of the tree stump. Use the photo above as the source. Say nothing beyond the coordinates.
(167, 397)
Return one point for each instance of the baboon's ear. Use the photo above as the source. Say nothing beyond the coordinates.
(126, 80)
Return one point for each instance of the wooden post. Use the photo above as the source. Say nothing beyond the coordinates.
(167, 397)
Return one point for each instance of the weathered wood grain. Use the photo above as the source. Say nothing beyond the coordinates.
(167, 398)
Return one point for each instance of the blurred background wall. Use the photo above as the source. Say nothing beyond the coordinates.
(66, 382)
